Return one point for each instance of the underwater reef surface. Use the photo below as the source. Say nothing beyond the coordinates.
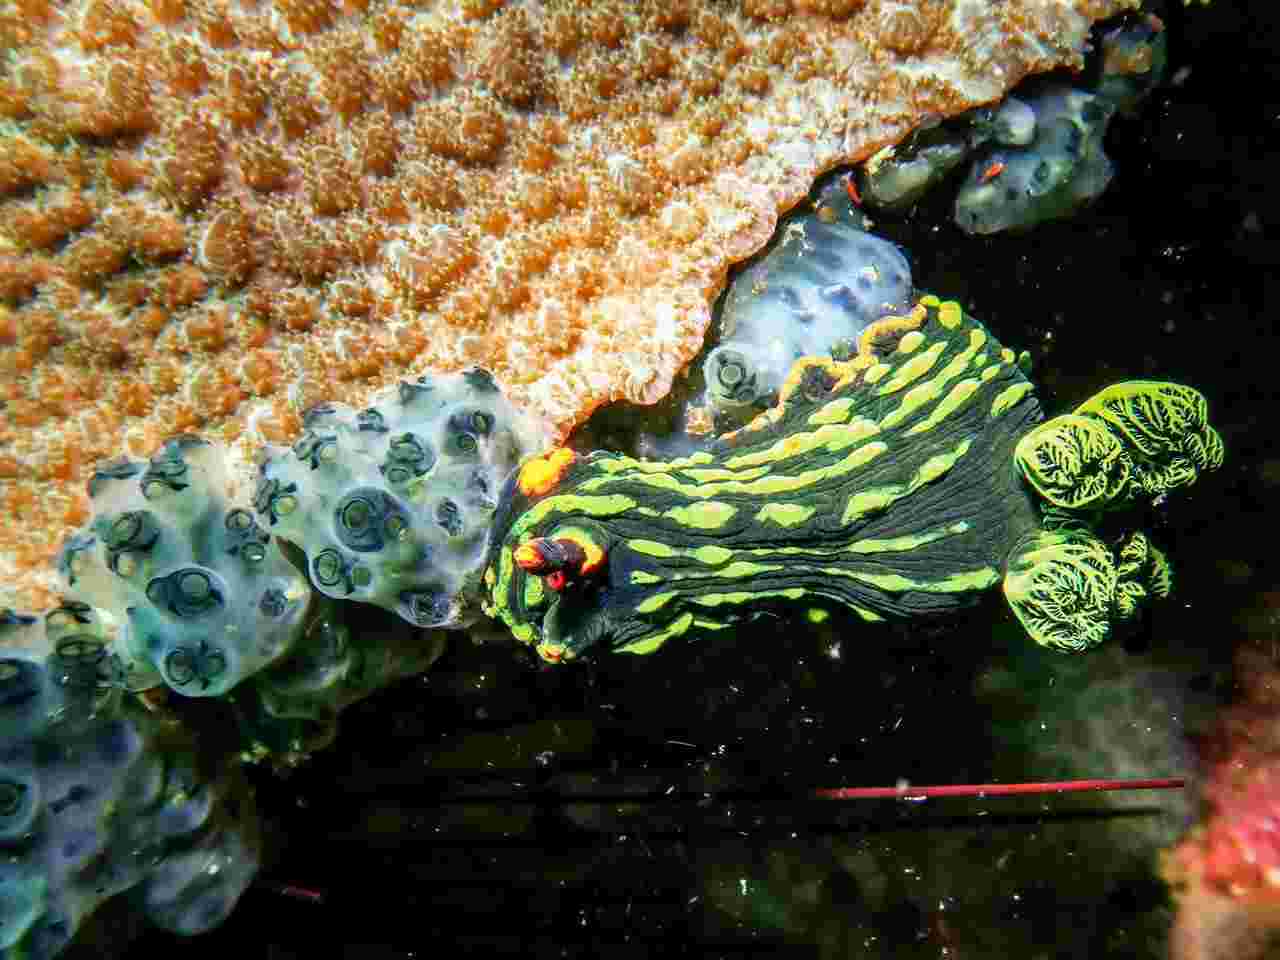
(214, 215)
(438, 809)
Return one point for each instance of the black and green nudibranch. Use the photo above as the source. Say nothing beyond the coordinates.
(906, 481)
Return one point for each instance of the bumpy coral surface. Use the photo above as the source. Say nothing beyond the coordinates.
(215, 214)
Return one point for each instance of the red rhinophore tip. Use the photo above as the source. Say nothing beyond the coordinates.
(909, 792)
(992, 172)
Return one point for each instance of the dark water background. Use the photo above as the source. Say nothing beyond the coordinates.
(434, 824)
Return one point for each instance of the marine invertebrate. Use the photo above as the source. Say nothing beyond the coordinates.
(1062, 166)
(290, 709)
(200, 595)
(894, 181)
(599, 161)
(392, 504)
(174, 582)
(903, 482)
(1062, 169)
(822, 283)
(98, 796)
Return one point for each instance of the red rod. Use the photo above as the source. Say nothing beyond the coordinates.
(911, 792)
(295, 892)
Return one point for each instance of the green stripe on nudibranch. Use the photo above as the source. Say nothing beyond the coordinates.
(837, 411)
(954, 400)
(654, 602)
(714, 556)
(1009, 398)
(785, 514)
(877, 373)
(907, 542)
(653, 548)
(867, 502)
(915, 368)
(966, 581)
(712, 474)
(740, 597)
(829, 437)
(568, 504)
(911, 342)
(710, 515)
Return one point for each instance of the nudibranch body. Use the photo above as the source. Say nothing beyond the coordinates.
(904, 482)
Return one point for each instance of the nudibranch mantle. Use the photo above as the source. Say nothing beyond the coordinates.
(903, 482)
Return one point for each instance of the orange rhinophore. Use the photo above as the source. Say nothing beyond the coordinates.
(570, 555)
(993, 171)
(541, 474)
(528, 557)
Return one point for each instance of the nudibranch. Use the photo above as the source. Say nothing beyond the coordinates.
(905, 481)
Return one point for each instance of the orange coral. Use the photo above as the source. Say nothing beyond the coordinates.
(211, 213)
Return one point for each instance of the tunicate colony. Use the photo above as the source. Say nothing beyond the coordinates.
(812, 292)
(1037, 156)
(176, 583)
(98, 797)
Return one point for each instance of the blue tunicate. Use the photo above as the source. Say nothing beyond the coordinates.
(292, 707)
(395, 500)
(1011, 124)
(103, 798)
(1063, 169)
(183, 572)
(898, 182)
(822, 283)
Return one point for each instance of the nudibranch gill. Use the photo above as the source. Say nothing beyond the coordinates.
(905, 481)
